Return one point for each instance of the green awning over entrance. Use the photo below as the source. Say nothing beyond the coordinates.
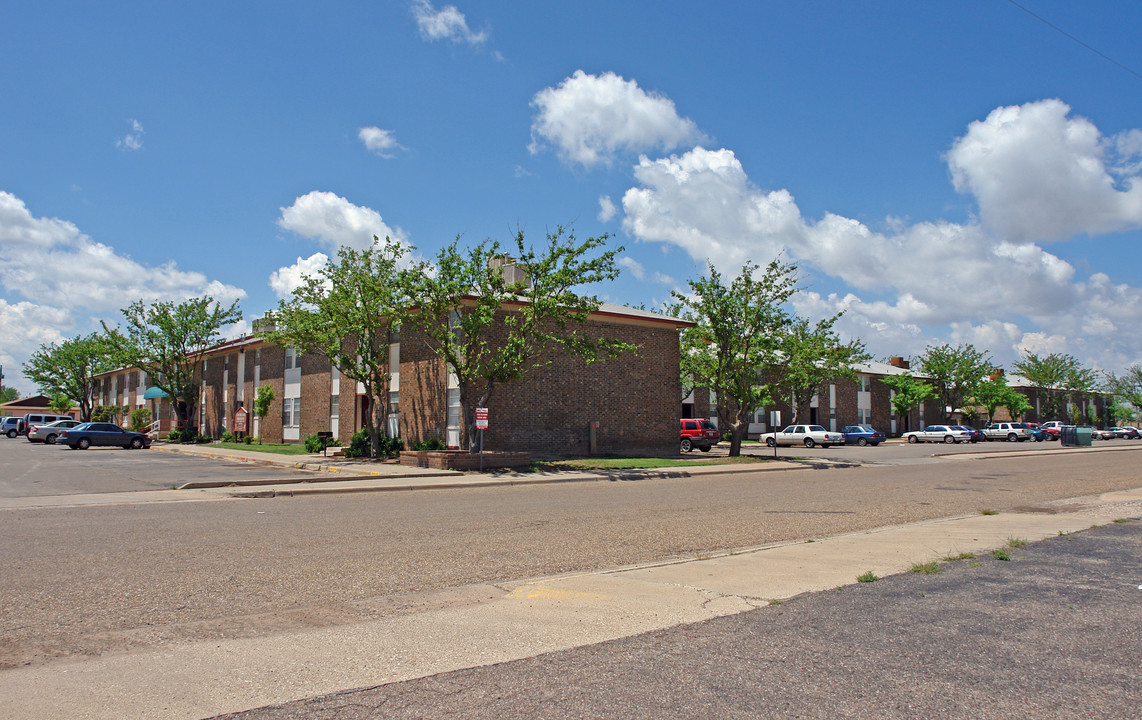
(154, 393)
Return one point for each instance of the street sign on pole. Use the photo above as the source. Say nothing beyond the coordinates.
(481, 425)
(241, 420)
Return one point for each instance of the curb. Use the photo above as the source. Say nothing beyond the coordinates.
(395, 484)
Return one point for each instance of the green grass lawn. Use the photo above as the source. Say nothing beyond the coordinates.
(284, 449)
(640, 463)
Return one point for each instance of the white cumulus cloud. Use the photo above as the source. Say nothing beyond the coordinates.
(633, 266)
(285, 280)
(589, 119)
(607, 208)
(958, 281)
(447, 23)
(334, 221)
(69, 280)
(50, 261)
(1040, 174)
(132, 140)
(378, 141)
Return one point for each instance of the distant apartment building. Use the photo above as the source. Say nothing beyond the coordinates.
(631, 401)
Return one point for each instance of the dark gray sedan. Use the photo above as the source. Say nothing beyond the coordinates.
(98, 434)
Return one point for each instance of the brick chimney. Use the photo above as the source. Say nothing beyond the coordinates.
(512, 273)
(898, 362)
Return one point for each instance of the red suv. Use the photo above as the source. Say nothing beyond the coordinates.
(699, 434)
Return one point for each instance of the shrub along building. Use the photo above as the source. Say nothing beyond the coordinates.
(627, 404)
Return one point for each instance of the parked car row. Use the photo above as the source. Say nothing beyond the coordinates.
(15, 425)
(1125, 433)
(703, 434)
(64, 430)
(807, 435)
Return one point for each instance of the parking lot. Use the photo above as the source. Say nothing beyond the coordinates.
(37, 470)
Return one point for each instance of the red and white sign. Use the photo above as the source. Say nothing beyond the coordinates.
(240, 417)
(481, 418)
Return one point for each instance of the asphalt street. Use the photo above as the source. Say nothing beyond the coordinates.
(94, 585)
(38, 470)
(1052, 632)
(85, 581)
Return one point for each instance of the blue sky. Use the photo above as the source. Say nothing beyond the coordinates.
(941, 171)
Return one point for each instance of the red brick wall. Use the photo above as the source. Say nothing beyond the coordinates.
(315, 386)
(423, 391)
(273, 374)
(634, 398)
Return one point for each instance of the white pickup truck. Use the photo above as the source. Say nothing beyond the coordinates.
(807, 435)
(1009, 431)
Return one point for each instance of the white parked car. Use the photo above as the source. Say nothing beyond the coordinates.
(1009, 431)
(939, 433)
(807, 435)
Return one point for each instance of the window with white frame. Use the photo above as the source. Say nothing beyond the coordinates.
(291, 359)
(291, 412)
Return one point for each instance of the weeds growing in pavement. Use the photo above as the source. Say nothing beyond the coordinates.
(1014, 542)
(928, 568)
(988, 512)
(867, 577)
(1000, 555)
(960, 556)
(1122, 520)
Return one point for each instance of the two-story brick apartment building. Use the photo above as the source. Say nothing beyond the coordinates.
(837, 403)
(631, 399)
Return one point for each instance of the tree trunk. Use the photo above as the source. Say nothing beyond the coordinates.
(181, 412)
(468, 431)
(374, 421)
(737, 434)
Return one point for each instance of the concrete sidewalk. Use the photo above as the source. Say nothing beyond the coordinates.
(486, 624)
(339, 475)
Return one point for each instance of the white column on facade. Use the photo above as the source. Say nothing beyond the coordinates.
(394, 390)
(241, 379)
(291, 401)
(257, 426)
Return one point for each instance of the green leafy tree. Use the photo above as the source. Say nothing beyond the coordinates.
(1055, 373)
(262, 402)
(106, 413)
(908, 393)
(491, 324)
(8, 394)
(739, 332)
(140, 419)
(991, 394)
(1120, 413)
(1016, 403)
(170, 340)
(1127, 388)
(811, 355)
(69, 368)
(349, 313)
(955, 371)
(60, 404)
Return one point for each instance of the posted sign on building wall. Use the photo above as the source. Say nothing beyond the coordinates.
(481, 418)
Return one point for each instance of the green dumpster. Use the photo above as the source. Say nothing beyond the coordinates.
(1083, 436)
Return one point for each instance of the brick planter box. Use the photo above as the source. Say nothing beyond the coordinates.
(462, 459)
